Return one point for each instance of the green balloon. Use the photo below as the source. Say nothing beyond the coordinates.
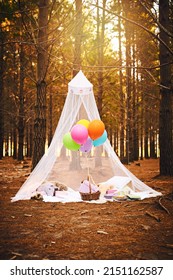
(69, 143)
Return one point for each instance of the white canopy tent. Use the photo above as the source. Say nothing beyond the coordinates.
(70, 168)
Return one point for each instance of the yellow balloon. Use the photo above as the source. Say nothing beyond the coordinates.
(84, 123)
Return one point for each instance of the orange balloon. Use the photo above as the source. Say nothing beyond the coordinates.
(96, 129)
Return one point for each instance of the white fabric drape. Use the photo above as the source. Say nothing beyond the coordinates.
(80, 103)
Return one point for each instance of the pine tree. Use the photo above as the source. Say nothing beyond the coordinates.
(166, 93)
(42, 64)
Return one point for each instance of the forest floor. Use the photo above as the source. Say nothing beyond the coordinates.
(126, 230)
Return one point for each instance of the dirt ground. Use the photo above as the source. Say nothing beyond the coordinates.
(138, 230)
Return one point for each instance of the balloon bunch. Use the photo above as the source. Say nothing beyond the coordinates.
(84, 135)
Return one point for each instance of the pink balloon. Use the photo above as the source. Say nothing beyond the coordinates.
(79, 133)
(87, 146)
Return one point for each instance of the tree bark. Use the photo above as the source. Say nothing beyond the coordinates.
(40, 124)
(78, 38)
(122, 98)
(166, 92)
(100, 42)
(142, 123)
(14, 142)
(30, 139)
(75, 163)
(21, 125)
(50, 134)
(1, 92)
(40, 108)
(129, 142)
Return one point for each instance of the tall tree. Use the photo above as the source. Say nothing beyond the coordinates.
(42, 64)
(21, 124)
(75, 164)
(7, 14)
(1, 91)
(100, 41)
(128, 36)
(122, 110)
(166, 93)
(78, 37)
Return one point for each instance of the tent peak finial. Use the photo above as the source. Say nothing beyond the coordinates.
(80, 84)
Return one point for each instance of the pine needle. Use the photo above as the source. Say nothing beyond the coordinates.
(102, 232)
(162, 206)
(153, 216)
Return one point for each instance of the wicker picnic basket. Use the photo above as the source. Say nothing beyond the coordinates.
(90, 195)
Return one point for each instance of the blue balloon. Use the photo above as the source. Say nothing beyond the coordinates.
(100, 140)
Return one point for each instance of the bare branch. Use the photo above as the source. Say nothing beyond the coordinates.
(155, 19)
(139, 25)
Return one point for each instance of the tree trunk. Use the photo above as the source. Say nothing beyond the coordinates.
(122, 110)
(21, 107)
(75, 163)
(30, 140)
(7, 144)
(135, 148)
(165, 126)
(1, 92)
(100, 42)
(146, 137)
(40, 124)
(78, 38)
(40, 108)
(129, 142)
(50, 134)
(152, 144)
(142, 123)
(146, 121)
(14, 142)
(115, 141)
